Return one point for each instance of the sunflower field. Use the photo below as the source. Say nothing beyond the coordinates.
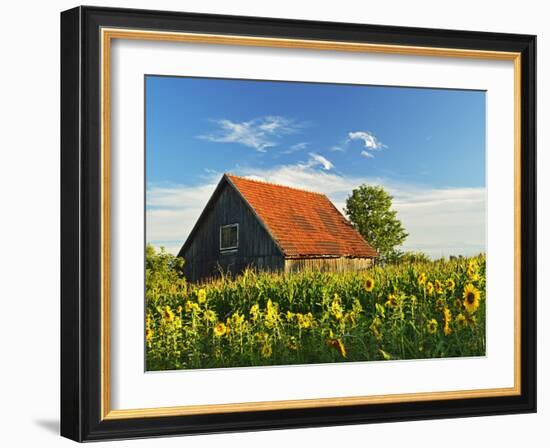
(428, 309)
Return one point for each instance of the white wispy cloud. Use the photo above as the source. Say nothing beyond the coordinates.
(367, 154)
(369, 141)
(296, 147)
(259, 133)
(440, 221)
(337, 148)
(299, 146)
(317, 159)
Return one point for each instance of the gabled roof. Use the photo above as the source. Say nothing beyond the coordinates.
(304, 224)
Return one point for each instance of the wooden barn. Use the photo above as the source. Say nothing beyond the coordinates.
(248, 223)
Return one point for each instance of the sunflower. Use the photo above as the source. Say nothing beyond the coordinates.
(369, 284)
(450, 284)
(472, 271)
(471, 298)
(238, 323)
(254, 312)
(220, 329)
(168, 314)
(267, 350)
(271, 318)
(261, 337)
(336, 307)
(201, 295)
(429, 288)
(432, 326)
(421, 278)
(392, 300)
(210, 316)
(460, 320)
(447, 316)
(148, 335)
(438, 287)
(192, 307)
(237, 319)
(305, 320)
(292, 343)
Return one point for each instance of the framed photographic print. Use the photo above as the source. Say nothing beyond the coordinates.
(274, 223)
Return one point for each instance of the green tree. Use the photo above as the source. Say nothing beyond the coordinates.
(411, 257)
(163, 263)
(369, 210)
(163, 272)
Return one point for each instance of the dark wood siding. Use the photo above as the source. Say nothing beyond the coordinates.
(203, 258)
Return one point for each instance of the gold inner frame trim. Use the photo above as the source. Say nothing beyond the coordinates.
(107, 35)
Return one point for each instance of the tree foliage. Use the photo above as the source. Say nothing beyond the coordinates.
(161, 266)
(411, 257)
(369, 208)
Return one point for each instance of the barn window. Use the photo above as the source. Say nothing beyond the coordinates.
(229, 237)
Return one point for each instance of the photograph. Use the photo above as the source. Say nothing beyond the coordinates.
(291, 222)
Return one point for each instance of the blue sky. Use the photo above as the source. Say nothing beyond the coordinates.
(426, 146)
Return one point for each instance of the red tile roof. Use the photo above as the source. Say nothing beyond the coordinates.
(303, 223)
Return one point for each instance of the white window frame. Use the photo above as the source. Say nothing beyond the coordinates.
(229, 248)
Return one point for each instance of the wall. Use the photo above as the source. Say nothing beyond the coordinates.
(29, 173)
(327, 264)
(256, 248)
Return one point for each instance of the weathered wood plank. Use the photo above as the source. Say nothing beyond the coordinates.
(340, 264)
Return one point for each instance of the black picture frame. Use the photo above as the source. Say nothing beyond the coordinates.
(81, 224)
